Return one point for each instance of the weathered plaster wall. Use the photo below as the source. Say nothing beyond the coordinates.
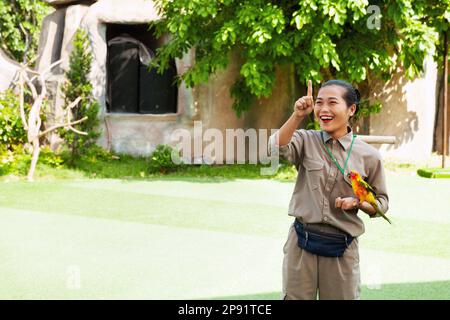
(215, 103)
(408, 113)
(8, 68)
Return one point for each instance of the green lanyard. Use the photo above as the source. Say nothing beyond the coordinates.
(334, 159)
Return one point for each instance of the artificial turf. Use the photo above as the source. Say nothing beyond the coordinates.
(173, 238)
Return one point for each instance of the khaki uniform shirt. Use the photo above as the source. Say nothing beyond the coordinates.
(319, 181)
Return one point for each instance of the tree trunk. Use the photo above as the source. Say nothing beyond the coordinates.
(441, 115)
(445, 111)
(34, 159)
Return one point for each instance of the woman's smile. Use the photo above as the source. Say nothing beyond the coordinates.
(325, 118)
(332, 111)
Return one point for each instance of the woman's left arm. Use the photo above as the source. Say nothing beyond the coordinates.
(351, 203)
(376, 178)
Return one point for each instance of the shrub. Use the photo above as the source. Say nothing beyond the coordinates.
(161, 160)
(16, 162)
(50, 158)
(98, 153)
(434, 173)
(78, 85)
(12, 132)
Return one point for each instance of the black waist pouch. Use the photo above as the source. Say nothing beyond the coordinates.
(322, 243)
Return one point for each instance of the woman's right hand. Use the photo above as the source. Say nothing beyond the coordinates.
(305, 105)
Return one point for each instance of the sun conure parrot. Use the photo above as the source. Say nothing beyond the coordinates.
(364, 192)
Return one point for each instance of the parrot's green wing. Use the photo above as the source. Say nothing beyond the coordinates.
(367, 186)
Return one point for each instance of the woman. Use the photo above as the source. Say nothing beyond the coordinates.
(321, 256)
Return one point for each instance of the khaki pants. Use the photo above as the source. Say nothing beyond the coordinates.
(306, 275)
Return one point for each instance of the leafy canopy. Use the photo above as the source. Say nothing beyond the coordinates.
(20, 22)
(321, 38)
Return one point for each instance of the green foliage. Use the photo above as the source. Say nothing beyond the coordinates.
(78, 85)
(91, 155)
(366, 108)
(312, 123)
(17, 162)
(437, 173)
(50, 158)
(20, 22)
(161, 159)
(435, 13)
(12, 132)
(98, 163)
(322, 38)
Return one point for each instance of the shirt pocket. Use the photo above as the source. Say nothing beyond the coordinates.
(313, 171)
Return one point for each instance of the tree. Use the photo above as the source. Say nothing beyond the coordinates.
(437, 14)
(78, 85)
(31, 119)
(322, 38)
(20, 22)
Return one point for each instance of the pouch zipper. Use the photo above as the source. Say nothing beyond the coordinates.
(326, 234)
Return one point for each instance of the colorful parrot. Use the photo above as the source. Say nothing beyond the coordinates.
(364, 192)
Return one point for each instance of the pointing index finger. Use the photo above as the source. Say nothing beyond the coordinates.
(310, 89)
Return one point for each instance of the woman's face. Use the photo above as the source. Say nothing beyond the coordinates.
(331, 110)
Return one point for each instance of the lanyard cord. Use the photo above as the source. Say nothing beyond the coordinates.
(342, 170)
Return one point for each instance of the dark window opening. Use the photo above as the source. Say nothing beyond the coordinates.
(131, 86)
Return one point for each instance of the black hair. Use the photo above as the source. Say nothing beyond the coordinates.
(351, 96)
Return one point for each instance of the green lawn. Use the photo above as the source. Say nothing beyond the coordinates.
(183, 238)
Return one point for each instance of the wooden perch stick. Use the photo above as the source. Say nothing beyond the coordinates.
(378, 139)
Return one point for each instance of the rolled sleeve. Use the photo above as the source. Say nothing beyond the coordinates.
(292, 151)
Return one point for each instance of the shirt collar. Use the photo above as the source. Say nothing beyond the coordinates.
(344, 141)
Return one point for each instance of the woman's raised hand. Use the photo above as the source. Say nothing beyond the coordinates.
(305, 104)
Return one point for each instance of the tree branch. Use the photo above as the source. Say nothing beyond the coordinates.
(22, 100)
(70, 107)
(61, 125)
(43, 73)
(27, 42)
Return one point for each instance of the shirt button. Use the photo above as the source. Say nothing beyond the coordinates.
(325, 218)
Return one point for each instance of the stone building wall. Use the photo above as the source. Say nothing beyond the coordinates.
(9, 69)
(408, 113)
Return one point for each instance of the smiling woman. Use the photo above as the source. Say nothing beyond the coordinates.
(323, 238)
(336, 103)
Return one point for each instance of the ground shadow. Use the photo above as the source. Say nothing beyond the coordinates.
(435, 290)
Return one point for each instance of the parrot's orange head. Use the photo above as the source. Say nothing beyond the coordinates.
(353, 175)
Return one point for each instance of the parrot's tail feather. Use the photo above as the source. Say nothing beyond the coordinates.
(378, 211)
(384, 216)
